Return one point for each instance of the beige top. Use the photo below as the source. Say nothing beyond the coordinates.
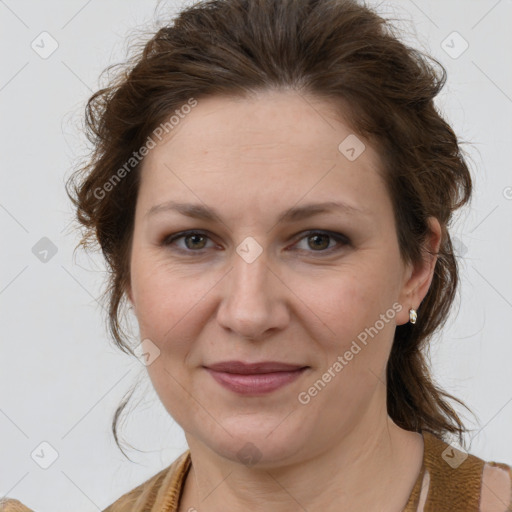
(449, 481)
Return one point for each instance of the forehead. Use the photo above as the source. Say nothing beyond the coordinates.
(266, 122)
(277, 145)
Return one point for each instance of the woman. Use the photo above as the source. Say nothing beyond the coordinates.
(271, 188)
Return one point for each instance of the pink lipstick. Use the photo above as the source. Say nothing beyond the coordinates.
(254, 378)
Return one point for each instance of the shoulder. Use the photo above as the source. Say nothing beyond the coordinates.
(10, 505)
(462, 481)
(148, 494)
(166, 483)
(496, 490)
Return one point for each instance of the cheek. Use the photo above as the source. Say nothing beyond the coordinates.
(163, 298)
(356, 304)
(165, 314)
(349, 300)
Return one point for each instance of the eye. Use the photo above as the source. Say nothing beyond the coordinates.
(324, 241)
(319, 241)
(195, 241)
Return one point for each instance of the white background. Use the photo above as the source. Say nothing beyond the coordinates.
(61, 377)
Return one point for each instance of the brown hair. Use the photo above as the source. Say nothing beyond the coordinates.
(336, 50)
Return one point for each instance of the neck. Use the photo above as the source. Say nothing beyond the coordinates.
(376, 462)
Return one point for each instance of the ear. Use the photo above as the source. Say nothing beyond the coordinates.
(418, 277)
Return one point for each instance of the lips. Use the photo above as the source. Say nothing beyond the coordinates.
(242, 368)
(254, 379)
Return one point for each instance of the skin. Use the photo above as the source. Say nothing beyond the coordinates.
(251, 159)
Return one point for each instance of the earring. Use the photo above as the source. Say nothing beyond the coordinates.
(412, 316)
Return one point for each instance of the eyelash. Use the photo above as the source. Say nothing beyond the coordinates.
(341, 239)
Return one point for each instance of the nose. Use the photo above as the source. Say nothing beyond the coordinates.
(254, 299)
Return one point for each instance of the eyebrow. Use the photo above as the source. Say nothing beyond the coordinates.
(294, 214)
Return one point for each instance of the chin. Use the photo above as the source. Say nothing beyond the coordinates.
(265, 446)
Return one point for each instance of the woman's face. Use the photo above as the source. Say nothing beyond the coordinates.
(321, 289)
